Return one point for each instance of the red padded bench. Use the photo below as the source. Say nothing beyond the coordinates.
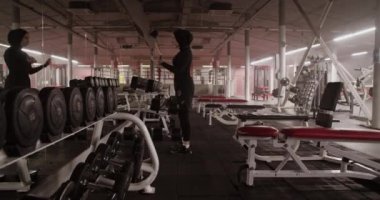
(332, 134)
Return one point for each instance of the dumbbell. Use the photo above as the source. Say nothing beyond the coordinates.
(81, 182)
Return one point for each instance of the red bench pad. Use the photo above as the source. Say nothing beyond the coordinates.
(222, 100)
(257, 131)
(211, 97)
(333, 134)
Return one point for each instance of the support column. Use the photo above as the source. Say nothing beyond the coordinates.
(69, 67)
(247, 95)
(282, 49)
(15, 16)
(228, 74)
(215, 67)
(376, 73)
(95, 64)
(152, 63)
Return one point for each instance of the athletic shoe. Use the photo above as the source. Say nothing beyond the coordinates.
(180, 149)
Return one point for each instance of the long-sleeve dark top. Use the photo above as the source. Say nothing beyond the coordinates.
(181, 68)
(19, 68)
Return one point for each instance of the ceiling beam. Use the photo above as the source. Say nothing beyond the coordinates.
(256, 7)
(133, 9)
(30, 8)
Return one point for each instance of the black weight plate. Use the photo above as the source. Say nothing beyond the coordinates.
(3, 122)
(115, 98)
(109, 100)
(123, 180)
(90, 81)
(89, 104)
(25, 117)
(97, 81)
(80, 172)
(66, 191)
(74, 105)
(55, 113)
(99, 96)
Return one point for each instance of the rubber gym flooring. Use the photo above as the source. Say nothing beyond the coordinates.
(210, 173)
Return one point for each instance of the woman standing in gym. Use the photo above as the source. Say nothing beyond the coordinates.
(19, 63)
(183, 85)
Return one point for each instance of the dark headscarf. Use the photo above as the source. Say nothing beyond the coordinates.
(183, 37)
(15, 37)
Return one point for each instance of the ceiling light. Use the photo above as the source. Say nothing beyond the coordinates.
(359, 53)
(261, 60)
(300, 49)
(63, 58)
(343, 37)
(31, 51)
(4, 45)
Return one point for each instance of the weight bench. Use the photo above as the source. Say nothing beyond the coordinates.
(289, 139)
(227, 114)
(204, 99)
(249, 136)
(212, 105)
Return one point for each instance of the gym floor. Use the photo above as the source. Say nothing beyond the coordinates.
(211, 171)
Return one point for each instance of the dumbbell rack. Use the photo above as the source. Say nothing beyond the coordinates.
(47, 187)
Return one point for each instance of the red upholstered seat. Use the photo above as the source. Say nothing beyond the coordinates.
(333, 134)
(230, 100)
(204, 100)
(211, 97)
(257, 131)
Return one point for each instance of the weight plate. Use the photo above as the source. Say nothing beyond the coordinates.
(115, 99)
(109, 100)
(55, 113)
(89, 104)
(90, 81)
(99, 96)
(25, 117)
(74, 105)
(97, 81)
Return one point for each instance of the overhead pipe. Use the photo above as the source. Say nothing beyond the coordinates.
(15, 16)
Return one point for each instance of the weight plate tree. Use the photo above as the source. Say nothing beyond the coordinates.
(99, 96)
(74, 105)
(24, 113)
(89, 104)
(55, 113)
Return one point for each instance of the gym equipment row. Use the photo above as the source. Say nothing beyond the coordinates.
(111, 167)
(32, 120)
(289, 140)
(31, 115)
(141, 90)
(111, 163)
(90, 81)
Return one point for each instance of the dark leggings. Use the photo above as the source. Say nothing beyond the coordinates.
(185, 101)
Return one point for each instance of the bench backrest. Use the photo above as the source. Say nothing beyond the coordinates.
(328, 104)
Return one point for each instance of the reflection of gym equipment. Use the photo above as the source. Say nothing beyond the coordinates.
(261, 83)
